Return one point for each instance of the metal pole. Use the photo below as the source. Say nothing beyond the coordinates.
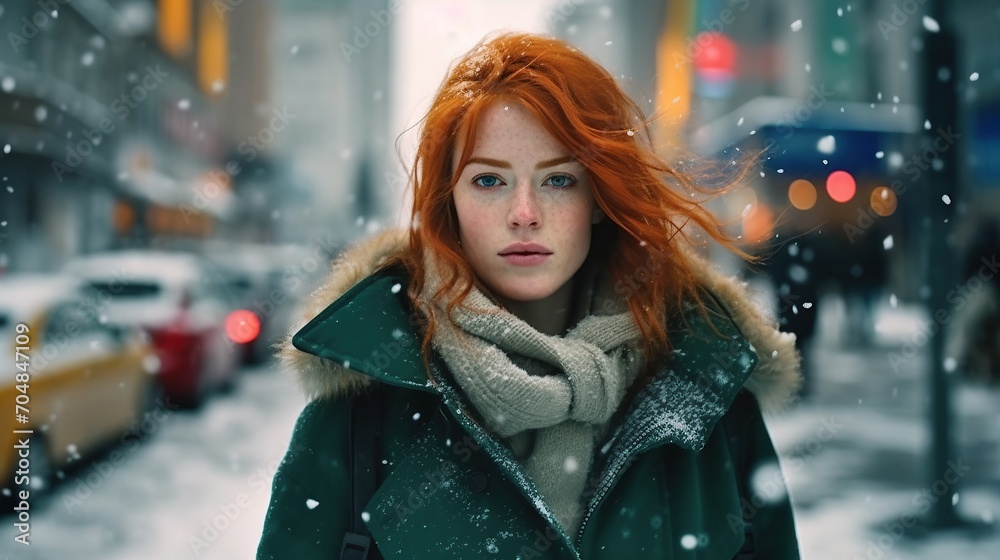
(940, 110)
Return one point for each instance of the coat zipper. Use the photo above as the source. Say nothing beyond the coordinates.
(611, 481)
(471, 427)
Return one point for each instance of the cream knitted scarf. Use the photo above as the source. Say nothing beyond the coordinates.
(562, 390)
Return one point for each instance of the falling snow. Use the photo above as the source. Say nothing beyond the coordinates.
(210, 420)
(827, 144)
(689, 542)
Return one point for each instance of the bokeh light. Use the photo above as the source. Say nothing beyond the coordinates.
(840, 185)
(758, 224)
(242, 326)
(802, 194)
(883, 201)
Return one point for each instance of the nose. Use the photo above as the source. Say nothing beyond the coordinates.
(524, 211)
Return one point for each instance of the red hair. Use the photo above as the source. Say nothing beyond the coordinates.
(581, 105)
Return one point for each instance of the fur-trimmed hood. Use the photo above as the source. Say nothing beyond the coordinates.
(773, 382)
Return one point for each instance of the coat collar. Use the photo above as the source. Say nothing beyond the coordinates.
(353, 300)
(375, 318)
(681, 404)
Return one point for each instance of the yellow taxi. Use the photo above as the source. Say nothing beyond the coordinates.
(69, 384)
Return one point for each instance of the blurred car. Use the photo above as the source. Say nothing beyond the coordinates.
(244, 280)
(86, 382)
(177, 299)
(266, 281)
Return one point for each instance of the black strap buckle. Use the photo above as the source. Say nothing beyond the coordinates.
(355, 547)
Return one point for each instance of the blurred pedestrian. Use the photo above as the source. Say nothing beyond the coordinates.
(539, 366)
(973, 338)
(796, 273)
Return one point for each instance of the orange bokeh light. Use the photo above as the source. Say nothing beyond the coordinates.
(883, 201)
(758, 224)
(802, 194)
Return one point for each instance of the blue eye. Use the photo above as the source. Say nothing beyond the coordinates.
(486, 181)
(561, 181)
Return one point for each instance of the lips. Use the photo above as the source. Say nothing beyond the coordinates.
(525, 249)
(525, 254)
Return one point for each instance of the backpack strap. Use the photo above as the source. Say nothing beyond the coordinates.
(736, 441)
(364, 440)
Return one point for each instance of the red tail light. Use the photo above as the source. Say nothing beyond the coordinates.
(242, 326)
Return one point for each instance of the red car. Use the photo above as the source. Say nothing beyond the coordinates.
(181, 305)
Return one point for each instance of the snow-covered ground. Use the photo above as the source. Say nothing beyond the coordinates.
(855, 454)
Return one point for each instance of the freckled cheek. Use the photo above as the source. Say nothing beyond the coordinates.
(578, 220)
(575, 230)
(478, 235)
(471, 219)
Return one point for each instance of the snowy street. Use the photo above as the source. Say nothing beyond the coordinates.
(197, 487)
(855, 455)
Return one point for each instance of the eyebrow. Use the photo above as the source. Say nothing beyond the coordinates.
(507, 165)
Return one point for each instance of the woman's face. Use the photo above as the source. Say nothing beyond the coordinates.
(525, 208)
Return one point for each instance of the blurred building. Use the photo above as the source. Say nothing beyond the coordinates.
(332, 70)
(622, 36)
(978, 77)
(116, 120)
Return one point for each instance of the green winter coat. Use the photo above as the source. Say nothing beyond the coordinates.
(687, 472)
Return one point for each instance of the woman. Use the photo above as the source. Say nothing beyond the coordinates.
(548, 372)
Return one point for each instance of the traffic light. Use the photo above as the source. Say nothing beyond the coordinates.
(714, 64)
